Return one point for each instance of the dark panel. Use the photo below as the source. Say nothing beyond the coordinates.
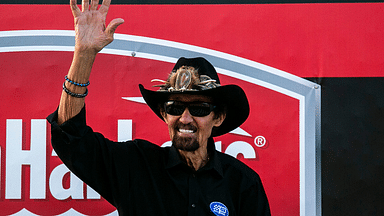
(352, 143)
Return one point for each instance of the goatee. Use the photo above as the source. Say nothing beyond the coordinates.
(185, 143)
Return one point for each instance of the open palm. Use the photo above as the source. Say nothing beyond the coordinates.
(92, 34)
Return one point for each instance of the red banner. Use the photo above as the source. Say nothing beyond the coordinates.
(34, 62)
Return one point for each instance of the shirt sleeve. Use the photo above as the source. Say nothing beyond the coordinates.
(86, 153)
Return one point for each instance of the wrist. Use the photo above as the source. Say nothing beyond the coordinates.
(85, 53)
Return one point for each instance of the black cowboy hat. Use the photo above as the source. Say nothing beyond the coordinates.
(231, 96)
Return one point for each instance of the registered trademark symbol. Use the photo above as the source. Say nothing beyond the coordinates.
(260, 141)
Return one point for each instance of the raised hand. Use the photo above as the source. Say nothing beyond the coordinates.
(92, 35)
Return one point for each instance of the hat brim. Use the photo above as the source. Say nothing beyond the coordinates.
(232, 96)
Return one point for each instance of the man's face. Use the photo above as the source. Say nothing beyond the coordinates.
(188, 132)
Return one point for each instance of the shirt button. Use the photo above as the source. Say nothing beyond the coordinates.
(193, 205)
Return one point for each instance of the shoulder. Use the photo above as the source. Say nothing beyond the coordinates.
(138, 152)
(246, 184)
(235, 167)
(140, 146)
(143, 144)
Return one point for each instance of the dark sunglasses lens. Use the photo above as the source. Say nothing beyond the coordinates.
(200, 110)
(174, 109)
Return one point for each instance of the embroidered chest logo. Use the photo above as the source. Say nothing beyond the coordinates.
(219, 209)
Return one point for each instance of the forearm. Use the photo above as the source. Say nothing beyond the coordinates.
(91, 37)
(79, 72)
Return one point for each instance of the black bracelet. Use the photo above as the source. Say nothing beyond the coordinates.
(74, 94)
(75, 83)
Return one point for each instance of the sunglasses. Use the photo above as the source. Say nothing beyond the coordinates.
(176, 108)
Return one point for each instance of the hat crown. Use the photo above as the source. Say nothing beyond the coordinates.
(190, 74)
(203, 67)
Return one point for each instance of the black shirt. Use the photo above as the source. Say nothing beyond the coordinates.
(140, 178)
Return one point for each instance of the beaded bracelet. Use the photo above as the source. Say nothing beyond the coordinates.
(74, 94)
(75, 83)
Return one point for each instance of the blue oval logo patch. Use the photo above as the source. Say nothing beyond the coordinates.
(219, 209)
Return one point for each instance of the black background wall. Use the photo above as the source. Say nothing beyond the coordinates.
(352, 129)
(352, 146)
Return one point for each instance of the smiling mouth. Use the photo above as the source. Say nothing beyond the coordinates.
(186, 131)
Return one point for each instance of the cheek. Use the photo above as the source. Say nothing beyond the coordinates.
(206, 128)
(170, 123)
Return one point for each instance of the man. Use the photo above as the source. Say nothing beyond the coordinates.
(141, 178)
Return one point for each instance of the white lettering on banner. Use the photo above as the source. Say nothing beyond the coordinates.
(16, 157)
(36, 158)
(235, 148)
(167, 144)
(260, 141)
(124, 130)
(241, 147)
(218, 146)
(92, 194)
(58, 191)
(75, 189)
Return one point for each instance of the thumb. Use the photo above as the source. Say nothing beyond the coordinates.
(112, 26)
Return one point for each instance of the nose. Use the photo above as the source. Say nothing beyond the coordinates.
(186, 117)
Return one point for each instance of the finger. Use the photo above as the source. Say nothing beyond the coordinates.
(75, 10)
(94, 4)
(112, 26)
(105, 6)
(85, 5)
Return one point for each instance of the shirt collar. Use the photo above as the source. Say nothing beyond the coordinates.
(213, 163)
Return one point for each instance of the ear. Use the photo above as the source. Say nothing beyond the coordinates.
(219, 119)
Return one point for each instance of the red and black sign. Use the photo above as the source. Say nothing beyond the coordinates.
(267, 49)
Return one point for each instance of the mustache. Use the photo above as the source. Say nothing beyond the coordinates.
(180, 125)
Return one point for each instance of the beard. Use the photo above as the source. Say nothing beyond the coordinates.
(185, 143)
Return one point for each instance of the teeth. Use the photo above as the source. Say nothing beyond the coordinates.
(185, 131)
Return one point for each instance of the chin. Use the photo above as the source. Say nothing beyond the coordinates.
(185, 144)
